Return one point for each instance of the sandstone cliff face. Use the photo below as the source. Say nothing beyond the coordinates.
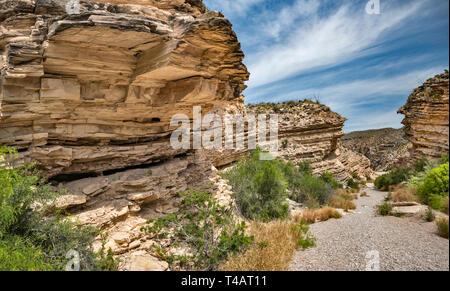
(383, 147)
(90, 97)
(427, 118)
(311, 132)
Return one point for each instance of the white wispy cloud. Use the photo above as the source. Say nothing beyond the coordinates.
(321, 41)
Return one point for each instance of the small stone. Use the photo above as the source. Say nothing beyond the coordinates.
(67, 201)
(141, 261)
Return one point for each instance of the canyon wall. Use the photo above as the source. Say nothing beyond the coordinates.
(427, 118)
(311, 132)
(90, 96)
(384, 148)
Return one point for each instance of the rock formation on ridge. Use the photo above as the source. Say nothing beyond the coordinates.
(383, 147)
(311, 132)
(427, 118)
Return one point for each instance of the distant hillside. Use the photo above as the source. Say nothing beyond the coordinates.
(383, 147)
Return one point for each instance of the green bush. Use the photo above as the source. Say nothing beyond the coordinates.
(305, 168)
(384, 209)
(394, 177)
(208, 228)
(352, 184)
(313, 191)
(328, 178)
(444, 159)
(34, 241)
(261, 187)
(442, 225)
(435, 187)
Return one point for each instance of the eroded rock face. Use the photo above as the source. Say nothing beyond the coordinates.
(384, 148)
(90, 97)
(311, 132)
(427, 118)
(95, 91)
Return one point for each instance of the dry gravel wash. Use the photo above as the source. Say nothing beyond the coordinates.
(404, 244)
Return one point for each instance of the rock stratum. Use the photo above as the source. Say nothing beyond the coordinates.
(427, 118)
(384, 148)
(311, 132)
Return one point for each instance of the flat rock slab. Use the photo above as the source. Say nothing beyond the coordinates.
(410, 210)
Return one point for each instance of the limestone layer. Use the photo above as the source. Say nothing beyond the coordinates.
(95, 91)
(427, 118)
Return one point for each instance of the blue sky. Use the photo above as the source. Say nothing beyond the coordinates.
(364, 66)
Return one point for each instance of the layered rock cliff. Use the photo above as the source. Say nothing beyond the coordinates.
(311, 132)
(89, 94)
(384, 148)
(427, 118)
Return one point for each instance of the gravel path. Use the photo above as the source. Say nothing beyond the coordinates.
(403, 244)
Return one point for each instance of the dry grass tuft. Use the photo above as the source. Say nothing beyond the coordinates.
(442, 224)
(445, 205)
(274, 246)
(342, 203)
(343, 199)
(404, 194)
(313, 215)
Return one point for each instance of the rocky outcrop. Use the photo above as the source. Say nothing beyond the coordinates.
(89, 95)
(311, 132)
(427, 118)
(384, 148)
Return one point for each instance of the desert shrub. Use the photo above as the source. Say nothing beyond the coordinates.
(305, 168)
(364, 194)
(207, 228)
(404, 194)
(442, 225)
(394, 177)
(384, 209)
(273, 247)
(421, 165)
(445, 205)
(328, 178)
(342, 200)
(352, 184)
(261, 187)
(429, 215)
(356, 176)
(435, 187)
(16, 254)
(37, 242)
(323, 214)
(313, 191)
(444, 159)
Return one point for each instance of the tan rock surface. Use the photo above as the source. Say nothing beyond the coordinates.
(427, 118)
